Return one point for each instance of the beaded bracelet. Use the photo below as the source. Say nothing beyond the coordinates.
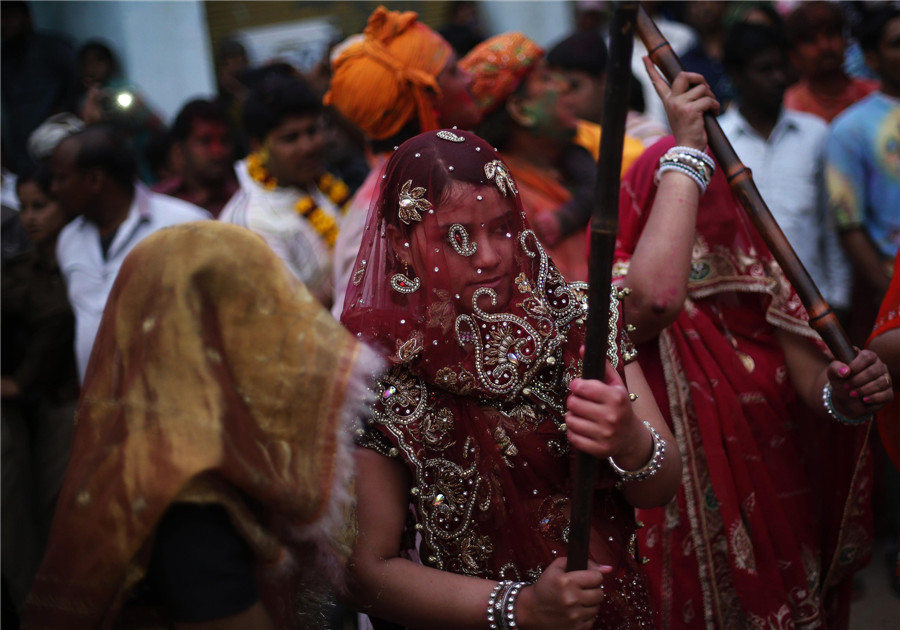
(494, 606)
(831, 411)
(680, 168)
(694, 163)
(697, 154)
(509, 605)
(651, 467)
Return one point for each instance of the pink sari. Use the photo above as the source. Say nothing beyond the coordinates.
(773, 512)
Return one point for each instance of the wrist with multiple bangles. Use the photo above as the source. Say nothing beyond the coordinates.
(501, 608)
(653, 464)
(828, 403)
(694, 163)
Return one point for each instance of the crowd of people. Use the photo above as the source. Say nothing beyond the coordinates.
(312, 354)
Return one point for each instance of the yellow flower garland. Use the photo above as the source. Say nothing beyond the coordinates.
(333, 188)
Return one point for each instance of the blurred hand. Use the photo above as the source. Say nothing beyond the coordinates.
(686, 100)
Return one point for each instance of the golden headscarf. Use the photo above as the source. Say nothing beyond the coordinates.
(382, 81)
(215, 377)
(498, 65)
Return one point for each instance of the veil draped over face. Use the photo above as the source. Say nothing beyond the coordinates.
(215, 378)
(483, 334)
(497, 338)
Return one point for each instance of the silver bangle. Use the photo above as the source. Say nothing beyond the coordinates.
(697, 154)
(495, 604)
(509, 607)
(651, 467)
(828, 403)
(698, 178)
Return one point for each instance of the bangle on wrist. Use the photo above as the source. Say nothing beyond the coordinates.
(828, 403)
(691, 162)
(651, 467)
(495, 604)
(508, 621)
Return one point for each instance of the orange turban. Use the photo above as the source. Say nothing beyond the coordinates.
(498, 65)
(381, 82)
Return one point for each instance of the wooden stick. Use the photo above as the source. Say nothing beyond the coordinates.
(821, 317)
(604, 224)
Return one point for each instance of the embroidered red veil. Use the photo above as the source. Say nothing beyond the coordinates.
(482, 352)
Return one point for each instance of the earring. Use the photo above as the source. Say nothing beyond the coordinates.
(402, 283)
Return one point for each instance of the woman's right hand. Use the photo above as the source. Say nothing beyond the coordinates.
(686, 100)
(560, 600)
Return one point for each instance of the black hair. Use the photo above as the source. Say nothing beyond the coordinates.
(497, 126)
(16, 6)
(275, 96)
(744, 42)
(40, 174)
(229, 48)
(585, 51)
(814, 17)
(198, 109)
(871, 28)
(102, 146)
(101, 49)
(157, 150)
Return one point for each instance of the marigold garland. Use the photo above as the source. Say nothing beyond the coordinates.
(333, 188)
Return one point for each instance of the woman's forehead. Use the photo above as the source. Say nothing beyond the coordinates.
(469, 203)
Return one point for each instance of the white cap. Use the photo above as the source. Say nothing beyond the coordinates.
(50, 133)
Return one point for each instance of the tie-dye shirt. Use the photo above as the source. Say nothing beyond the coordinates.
(863, 170)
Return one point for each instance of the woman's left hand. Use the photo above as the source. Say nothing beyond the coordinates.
(601, 422)
(861, 387)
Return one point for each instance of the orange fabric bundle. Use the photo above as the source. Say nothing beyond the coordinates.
(498, 65)
(382, 81)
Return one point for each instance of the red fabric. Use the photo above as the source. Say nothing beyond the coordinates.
(475, 401)
(751, 539)
(889, 416)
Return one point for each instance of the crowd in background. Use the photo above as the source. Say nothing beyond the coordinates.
(808, 94)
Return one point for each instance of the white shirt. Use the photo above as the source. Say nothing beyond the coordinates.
(272, 215)
(788, 171)
(351, 235)
(89, 276)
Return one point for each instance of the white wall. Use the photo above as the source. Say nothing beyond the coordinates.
(545, 22)
(163, 46)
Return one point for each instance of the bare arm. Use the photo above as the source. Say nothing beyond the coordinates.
(659, 268)
(389, 587)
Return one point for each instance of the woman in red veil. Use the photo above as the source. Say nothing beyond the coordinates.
(773, 513)
(464, 478)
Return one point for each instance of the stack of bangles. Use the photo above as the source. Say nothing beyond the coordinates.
(651, 467)
(501, 608)
(694, 163)
(834, 414)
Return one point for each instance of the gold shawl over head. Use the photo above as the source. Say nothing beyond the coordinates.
(215, 376)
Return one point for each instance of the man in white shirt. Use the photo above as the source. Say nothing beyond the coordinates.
(785, 151)
(94, 179)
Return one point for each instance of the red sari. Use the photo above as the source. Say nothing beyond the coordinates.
(474, 402)
(773, 512)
